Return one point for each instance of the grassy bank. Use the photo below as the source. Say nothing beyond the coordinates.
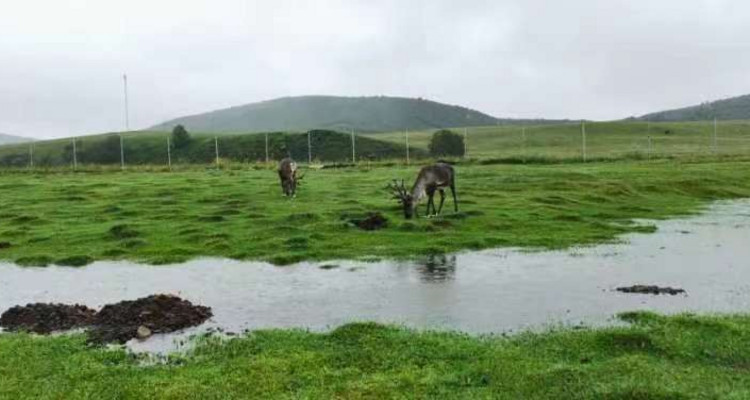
(72, 219)
(678, 357)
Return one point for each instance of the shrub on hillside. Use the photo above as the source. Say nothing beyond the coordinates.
(180, 137)
(446, 143)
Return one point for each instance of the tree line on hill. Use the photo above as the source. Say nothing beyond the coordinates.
(325, 145)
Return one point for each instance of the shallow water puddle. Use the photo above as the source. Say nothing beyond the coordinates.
(479, 292)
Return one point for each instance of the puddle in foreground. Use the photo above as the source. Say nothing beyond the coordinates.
(479, 292)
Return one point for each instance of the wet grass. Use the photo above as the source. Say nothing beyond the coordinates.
(656, 357)
(162, 217)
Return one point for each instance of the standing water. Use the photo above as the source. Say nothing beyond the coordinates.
(478, 292)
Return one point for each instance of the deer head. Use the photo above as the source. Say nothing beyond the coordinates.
(400, 193)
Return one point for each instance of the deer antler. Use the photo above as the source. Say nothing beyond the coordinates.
(398, 190)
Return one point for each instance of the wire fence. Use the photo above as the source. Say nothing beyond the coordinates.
(574, 142)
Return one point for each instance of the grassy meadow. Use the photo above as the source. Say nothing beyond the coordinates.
(656, 357)
(166, 217)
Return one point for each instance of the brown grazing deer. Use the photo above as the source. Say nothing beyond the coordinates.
(430, 179)
(288, 176)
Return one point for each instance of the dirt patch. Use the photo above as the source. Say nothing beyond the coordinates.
(118, 322)
(46, 318)
(161, 313)
(650, 289)
(373, 222)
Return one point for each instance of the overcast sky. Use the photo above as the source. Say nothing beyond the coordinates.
(61, 61)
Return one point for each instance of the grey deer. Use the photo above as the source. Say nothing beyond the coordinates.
(289, 178)
(431, 178)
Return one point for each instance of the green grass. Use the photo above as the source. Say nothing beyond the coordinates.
(658, 357)
(153, 217)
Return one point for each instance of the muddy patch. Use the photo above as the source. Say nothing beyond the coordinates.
(373, 222)
(651, 289)
(46, 318)
(140, 318)
(114, 323)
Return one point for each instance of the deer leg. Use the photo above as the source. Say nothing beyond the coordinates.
(431, 201)
(442, 200)
(455, 200)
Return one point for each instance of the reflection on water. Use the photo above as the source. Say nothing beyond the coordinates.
(437, 268)
(485, 291)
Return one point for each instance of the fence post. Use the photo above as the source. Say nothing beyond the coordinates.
(407, 147)
(31, 155)
(216, 147)
(354, 153)
(716, 137)
(523, 144)
(583, 137)
(169, 153)
(309, 148)
(267, 148)
(122, 154)
(466, 144)
(650, 148)
(75, 156)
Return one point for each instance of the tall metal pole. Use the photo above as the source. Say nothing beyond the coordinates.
(407, 147)
(354, 153)
(169, 153)
(75, 156)
(650, 147)
(267, 148)
(309, 149)
(523, 144)
(127, 120)
(125, 88)
(216, 146)
(583, 137)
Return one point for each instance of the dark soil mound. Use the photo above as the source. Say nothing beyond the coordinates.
(160, 313)
(46, 318)
(650, 289)
(373, 222)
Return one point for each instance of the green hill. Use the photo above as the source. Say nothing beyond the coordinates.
(735, 108)
(9, 139)
(363, 114)
(150, 148)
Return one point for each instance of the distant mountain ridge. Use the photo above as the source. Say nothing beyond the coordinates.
(727, 109)
(363, 114)
(10, 139)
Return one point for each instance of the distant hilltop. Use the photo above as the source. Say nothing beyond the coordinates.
(363, 114)
(728, 109)
(10, 139)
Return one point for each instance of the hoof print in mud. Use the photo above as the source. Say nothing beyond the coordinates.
(651, 289)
